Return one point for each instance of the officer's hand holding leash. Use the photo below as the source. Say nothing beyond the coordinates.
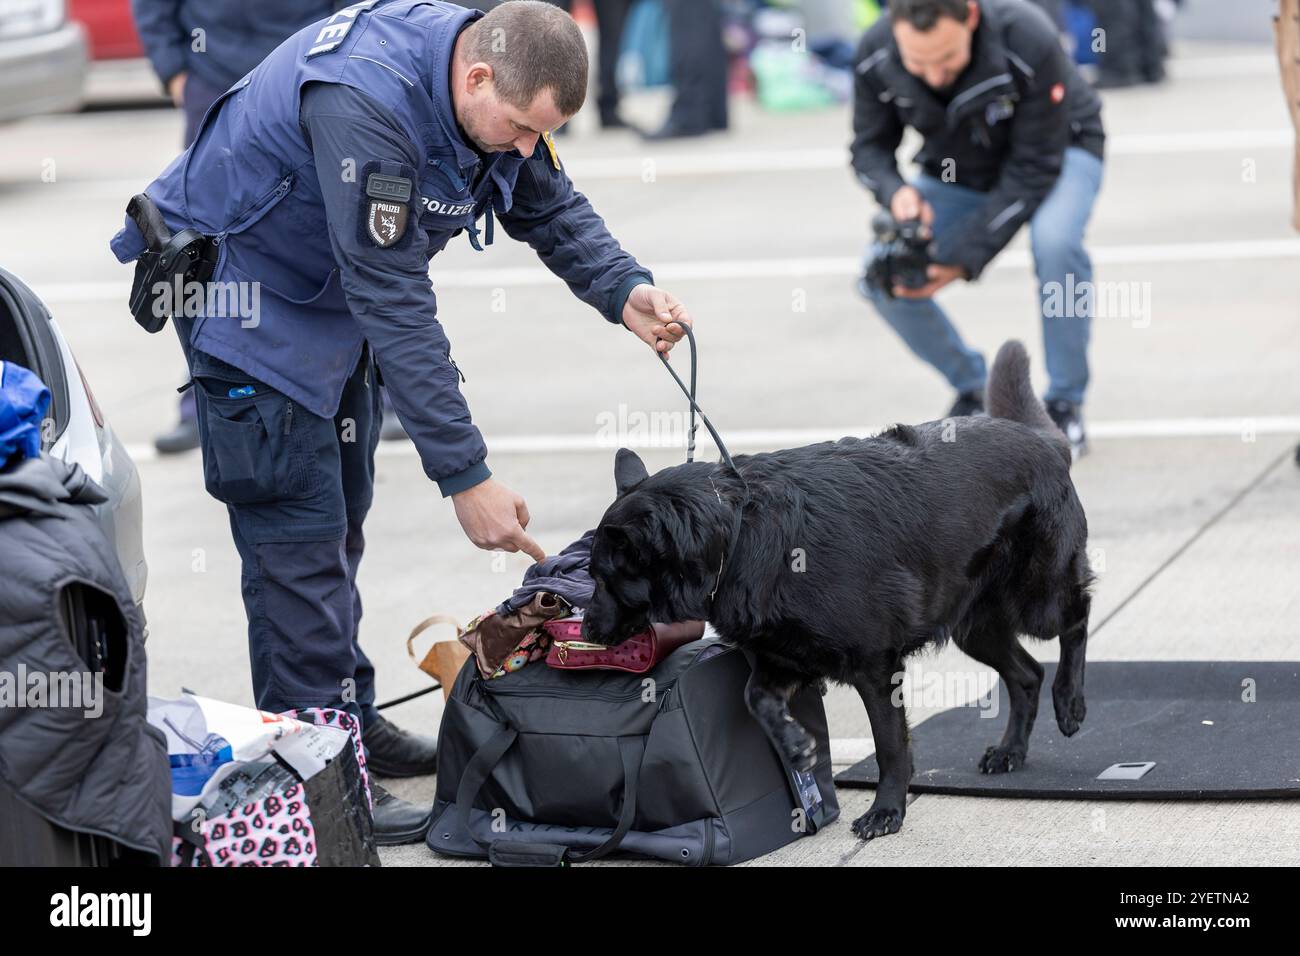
(647, 314)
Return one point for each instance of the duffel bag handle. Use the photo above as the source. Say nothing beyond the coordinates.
(516, 853)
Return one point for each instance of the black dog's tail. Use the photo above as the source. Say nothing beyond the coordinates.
(1010, 395)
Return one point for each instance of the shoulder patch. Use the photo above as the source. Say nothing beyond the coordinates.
(550, 148)
(385, 194)
(386, 222)
(335, 30)
(396, 188)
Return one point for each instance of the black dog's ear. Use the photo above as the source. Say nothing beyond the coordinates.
(629, 470)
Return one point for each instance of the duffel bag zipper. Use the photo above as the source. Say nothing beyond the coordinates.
(568, 693)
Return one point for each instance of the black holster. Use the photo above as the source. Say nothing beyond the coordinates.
(189, 254)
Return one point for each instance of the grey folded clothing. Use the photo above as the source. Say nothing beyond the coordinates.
(566, 575)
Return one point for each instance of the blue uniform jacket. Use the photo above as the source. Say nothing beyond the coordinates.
(305, 192)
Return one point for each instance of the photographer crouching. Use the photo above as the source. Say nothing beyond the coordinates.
(1013, 134)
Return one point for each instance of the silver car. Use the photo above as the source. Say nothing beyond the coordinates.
(42, 58)
(77, 431)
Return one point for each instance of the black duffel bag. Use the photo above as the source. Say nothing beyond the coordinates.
(545, 766)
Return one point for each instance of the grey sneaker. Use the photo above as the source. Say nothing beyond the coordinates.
(1069, 419)
(967, 403)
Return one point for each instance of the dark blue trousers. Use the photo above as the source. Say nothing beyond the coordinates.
(297, 487)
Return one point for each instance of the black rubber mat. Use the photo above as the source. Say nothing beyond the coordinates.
(1212, 729)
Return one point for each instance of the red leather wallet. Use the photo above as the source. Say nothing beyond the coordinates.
(638, 654)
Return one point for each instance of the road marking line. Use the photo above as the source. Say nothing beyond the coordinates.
(1244, 64)
(768, 439)
(779, 268)
(849, 750)
(736, 162)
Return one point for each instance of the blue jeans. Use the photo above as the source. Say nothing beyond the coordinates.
(1056, 238)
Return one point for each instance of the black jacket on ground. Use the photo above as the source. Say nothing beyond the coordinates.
(1005, 124)
(82, 755)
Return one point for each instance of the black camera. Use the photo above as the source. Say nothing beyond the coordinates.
(900, 255)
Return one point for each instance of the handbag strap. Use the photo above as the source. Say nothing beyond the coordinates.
(427, 623)
(486, 758)
(410, 649)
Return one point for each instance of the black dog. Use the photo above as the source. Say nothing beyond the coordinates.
(837, 560)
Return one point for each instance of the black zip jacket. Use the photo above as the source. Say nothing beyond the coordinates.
(1003, 131)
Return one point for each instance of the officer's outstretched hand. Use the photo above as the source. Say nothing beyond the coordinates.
(648, 312)
(494, 518)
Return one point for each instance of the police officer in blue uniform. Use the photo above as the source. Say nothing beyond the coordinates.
(236, 37)
(328, 177)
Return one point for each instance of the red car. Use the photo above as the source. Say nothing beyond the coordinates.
(109, 27)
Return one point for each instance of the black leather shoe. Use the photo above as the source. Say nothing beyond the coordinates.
(184, 437)
(393, 752)
(398, 821)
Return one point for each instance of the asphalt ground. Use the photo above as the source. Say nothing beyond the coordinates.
(1193, 501)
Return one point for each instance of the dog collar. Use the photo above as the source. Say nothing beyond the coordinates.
(735, 535)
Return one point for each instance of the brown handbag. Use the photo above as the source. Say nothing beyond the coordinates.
(492, 638)
(636, 655)
(444, 659)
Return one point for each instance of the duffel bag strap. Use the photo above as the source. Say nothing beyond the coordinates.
(517, 853)
(477, 771)
(631, 749)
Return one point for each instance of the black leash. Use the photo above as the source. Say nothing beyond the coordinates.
(695, 407)
(722, 448)
(402, 700)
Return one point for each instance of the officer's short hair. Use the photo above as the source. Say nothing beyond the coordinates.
(532, 46)
(924, 14)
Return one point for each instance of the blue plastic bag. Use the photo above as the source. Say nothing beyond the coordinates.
(24, 400)
(643, 59)
(1079, 24)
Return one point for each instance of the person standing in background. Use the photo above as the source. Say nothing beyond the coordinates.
(199, 49)
(1012, 135)
(698, 63)
(611, 16)
(1135, 43)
